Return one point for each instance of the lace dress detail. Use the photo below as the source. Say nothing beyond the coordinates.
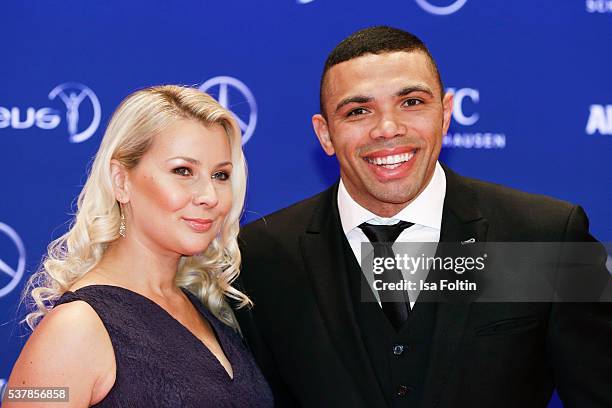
(160, 363)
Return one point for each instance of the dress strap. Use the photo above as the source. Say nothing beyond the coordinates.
(67, 297)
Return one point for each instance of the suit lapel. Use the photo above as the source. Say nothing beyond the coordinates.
(461, 222)
(323, 249)
(323, 254)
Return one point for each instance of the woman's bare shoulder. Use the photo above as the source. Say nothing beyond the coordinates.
(70, 347)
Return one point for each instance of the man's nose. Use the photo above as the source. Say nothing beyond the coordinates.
(388, 126)
(206, 194)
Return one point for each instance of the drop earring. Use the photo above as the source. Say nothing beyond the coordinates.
(122, 224)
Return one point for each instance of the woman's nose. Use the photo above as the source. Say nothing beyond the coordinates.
(206, 195)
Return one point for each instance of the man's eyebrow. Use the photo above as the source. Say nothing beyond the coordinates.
(353, 99)
(187, 159)
(402, 92)
(414, 88)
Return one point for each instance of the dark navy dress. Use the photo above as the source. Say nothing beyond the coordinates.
(160, 363)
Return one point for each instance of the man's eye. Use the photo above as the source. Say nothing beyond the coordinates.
(412, 102)
(183, 171)
(221, 175)
(357, 111)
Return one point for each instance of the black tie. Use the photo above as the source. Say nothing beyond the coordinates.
(395, 304)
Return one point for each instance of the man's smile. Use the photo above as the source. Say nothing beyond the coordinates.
(391, 164)
(391, 161)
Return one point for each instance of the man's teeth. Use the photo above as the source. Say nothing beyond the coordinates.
(391, 161)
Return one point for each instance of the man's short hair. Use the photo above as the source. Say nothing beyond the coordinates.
(375, 40)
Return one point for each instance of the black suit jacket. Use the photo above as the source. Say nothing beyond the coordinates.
(304, 334)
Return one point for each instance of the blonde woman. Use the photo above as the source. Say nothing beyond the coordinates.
(131, 303)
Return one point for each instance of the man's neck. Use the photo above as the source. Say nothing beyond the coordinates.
(425, 209)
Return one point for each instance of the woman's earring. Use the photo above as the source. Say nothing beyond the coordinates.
(122, 225)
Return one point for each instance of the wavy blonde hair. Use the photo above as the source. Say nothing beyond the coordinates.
(129, 135)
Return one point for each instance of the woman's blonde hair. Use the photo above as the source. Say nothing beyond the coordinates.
(129, 135)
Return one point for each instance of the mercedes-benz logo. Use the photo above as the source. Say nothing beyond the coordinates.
(441, 10)
(246, 120)
(2, 388)
(72, 94)
(11, 273)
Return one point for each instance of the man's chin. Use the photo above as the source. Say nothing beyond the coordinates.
(395, 194)
(396, 199)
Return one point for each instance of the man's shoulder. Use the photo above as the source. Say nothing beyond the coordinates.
(522, 211)
(291, 220)
(515, 199)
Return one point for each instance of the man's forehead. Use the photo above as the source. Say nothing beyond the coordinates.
(358, 74)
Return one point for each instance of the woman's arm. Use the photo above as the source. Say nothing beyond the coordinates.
(69, 348)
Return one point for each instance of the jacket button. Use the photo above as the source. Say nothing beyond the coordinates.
(398, 349)
(402, 390)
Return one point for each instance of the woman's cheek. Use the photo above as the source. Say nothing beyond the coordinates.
(173, 196)
(226, 201)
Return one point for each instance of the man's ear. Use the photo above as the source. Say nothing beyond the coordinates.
(319, 123)
(119, 177)
(447, 106)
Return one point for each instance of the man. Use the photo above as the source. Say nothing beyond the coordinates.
(383, 114)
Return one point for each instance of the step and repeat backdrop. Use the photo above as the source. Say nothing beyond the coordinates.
(532, 85)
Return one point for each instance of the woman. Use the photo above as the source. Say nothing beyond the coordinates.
(139, 283)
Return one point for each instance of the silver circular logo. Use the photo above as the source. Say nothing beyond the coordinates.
(7, 272)
(73, 94)
(245, 115)
(2, 388)
(441, 10)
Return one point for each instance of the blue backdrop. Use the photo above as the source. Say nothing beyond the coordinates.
(532, 83)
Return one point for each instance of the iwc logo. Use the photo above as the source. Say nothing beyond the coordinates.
(465, 115)
(235, 96)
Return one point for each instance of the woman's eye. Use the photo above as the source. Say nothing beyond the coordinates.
(183, 171)
(357, 111)
(412, 102)
(221, 175)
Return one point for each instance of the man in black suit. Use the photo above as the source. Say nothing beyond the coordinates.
(383, 114)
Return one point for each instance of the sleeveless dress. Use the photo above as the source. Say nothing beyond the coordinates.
(160, 363)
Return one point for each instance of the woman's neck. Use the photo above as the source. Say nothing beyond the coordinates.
(133, 264)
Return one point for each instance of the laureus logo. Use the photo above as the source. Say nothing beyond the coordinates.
(73, 95)
(76, 98)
